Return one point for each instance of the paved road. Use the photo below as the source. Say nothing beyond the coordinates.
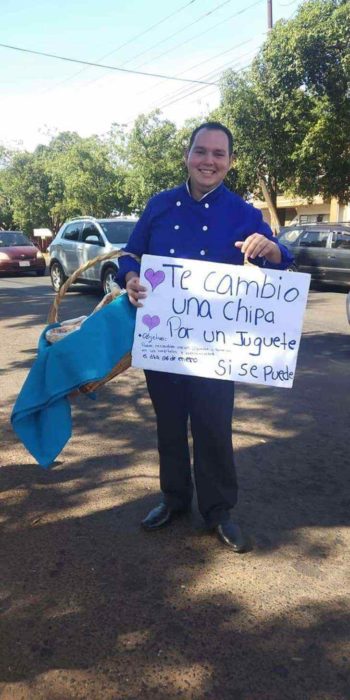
(93, 608)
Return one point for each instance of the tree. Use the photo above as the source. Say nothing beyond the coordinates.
(310, 57)
(25, 187)
(264, 136)
(6, 218)
(82, 180)
(68, 177)
(290, 112)
(154, 158)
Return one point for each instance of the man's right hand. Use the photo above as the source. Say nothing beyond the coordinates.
(134, 289)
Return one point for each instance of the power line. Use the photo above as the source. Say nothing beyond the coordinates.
(99, 65)
(181, 95)
(183, 92)
(196, 36)
(170, 36)
(193, 92)
(130, 41)
(212, 75)
(211, 58)
(198, 19)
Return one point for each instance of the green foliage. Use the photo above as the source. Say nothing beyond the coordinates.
(25, 188)
(75, 176)
(291, 112)
(6, 213)
(82, 180)
(68, 177)
(290, 115)
(154, 159)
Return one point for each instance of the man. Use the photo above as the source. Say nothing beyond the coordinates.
(200, 220)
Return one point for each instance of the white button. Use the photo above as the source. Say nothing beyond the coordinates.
(178, 204)
(202, 252)
(172, 251)
(206, 205)
(205, 228)
(176, 227)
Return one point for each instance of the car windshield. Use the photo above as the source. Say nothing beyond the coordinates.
(13, 238)
(117, 231)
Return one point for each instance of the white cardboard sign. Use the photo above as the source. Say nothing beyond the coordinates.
(220, 321)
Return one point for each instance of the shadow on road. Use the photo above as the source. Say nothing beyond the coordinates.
(83, 589)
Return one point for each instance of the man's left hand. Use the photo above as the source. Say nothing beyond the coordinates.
(258, 246)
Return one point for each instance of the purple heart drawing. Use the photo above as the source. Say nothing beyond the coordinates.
(150, 321)
(154, 278)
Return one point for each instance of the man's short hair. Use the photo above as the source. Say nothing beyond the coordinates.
(213, 126)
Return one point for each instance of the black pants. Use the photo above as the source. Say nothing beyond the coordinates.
(209, 405)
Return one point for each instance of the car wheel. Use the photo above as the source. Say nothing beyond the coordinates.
(108, 281)
(58, 277)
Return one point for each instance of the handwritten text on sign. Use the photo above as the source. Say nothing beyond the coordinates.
(223, 321)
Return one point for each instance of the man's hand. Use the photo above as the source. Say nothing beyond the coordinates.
(134, 289)
(258, 246)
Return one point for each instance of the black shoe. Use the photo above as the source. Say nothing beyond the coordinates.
(232, 535)
(159, 516)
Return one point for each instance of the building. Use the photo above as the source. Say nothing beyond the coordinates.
(295, 210)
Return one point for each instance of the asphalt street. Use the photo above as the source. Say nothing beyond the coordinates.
(93, 608)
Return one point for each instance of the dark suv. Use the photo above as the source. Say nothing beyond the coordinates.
(82, 239)
(323, 250)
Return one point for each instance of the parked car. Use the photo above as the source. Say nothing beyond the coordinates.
(82, 239)
(323, 250)
(19, 254)
(348, 306)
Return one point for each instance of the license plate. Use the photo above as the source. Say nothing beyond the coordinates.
(24, 263)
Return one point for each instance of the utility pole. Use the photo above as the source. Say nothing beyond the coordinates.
(269, 14)
(271, 205)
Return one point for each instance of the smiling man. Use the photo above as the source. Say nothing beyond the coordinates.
(200, 220)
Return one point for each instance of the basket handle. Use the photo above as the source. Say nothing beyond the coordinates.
(53, 313)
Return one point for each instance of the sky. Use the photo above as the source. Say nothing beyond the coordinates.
(194, 40)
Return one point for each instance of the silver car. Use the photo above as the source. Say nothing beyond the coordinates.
(82, 239)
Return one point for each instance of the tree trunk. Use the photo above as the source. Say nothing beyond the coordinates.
(275, 224)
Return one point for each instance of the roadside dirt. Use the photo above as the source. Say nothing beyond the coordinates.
(93, 608)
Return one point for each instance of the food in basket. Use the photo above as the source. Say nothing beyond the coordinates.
(73, 324)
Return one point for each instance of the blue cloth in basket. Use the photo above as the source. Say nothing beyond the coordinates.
(41, 416)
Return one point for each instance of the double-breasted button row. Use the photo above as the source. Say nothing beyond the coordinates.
(177, 226)
(201, 252)
(178, 204)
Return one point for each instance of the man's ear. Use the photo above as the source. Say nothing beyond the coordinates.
(186, 154)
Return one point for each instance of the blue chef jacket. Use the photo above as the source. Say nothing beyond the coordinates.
(173, 223)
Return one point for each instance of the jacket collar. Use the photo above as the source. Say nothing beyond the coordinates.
(209, 196)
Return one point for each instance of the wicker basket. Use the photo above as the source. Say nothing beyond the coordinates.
(125, 361)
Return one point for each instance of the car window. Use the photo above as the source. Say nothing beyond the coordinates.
(289, 236)
(314, 239)
(13, 238)
(71, 232)
(117, 231)
(91, 230)
(341, 240)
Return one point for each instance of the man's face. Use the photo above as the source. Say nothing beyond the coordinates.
(208, 161)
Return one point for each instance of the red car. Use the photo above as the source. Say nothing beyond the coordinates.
(19, 254)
